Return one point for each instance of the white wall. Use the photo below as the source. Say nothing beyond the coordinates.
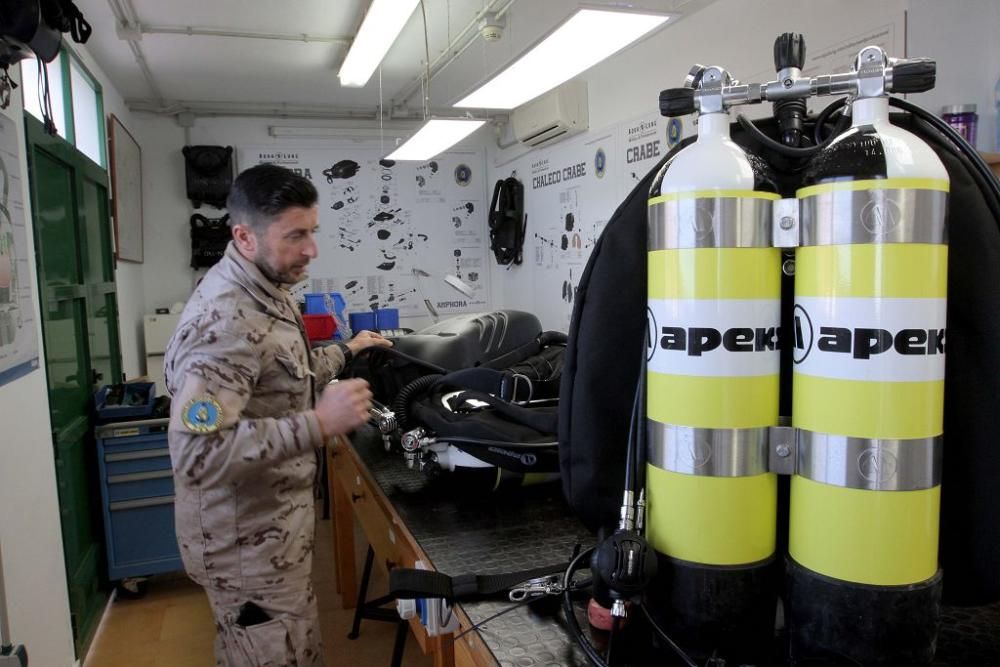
(964, 37)
(34, 572)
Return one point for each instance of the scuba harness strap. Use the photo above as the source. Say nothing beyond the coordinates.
(410, 584)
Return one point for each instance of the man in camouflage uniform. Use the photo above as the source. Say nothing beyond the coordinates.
(245, 425)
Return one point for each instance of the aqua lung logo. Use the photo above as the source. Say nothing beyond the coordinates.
(600, 162)
(698, 452)
(802, 331)
(703, 222)
(696, 341)
(877, 465)
(881, 217)
(675, 130)
(861, 342)
(528, 460)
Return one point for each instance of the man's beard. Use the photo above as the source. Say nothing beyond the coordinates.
(275, 276)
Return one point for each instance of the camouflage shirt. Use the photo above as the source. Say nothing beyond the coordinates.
(242, 435)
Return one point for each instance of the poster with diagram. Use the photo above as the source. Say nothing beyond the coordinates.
(18, 337)
(570, 192)
(406, 235)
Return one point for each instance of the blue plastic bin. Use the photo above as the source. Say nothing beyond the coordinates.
(362, 321)
(317, 304)
(387, 318)
(138, 401)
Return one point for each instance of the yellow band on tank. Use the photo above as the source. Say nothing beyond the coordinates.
(863, 409)
(712, 520)
(715, 273)
(876, 184)
(712, 402)
(900, 270)
(711, 194)
(883, 538)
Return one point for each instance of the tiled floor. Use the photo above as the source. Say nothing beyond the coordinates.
(171, 626)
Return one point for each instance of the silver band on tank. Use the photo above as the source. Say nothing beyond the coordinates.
(709, 452)
(710, 222)
(870, 464)
(877, 216)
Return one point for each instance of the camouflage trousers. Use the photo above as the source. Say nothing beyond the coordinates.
(290, 638)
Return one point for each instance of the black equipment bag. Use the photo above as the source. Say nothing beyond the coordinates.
(507, 221)
(514, 437)
(209, 238)
(609, 322)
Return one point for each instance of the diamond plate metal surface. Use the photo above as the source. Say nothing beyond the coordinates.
(488, 533)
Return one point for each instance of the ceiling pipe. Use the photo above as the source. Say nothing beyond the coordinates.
(457, 47)
(125, 15)
(223, 32)
(274, 110)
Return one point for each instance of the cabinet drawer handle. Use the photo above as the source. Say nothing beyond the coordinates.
(355, 497)
(142, 502)
(389, 564)
(139, 476)
(135, 456)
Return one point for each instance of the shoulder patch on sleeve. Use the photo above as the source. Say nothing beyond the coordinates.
(202, 414)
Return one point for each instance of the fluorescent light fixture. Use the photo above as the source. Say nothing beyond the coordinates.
(382, 24)
(435, 137)
(585, 39)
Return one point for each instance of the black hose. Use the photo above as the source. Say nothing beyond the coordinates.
(776, 146)
(401, 404)
(485, 442)
(979, 166)
(405, 357)
(841, 105)
(570, 613)
(665, 637)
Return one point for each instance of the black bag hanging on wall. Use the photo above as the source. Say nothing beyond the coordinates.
(209, 238)
(507, 221)
(609, 322)
(209, 174)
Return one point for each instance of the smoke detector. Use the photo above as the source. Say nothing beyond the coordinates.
(491, 27)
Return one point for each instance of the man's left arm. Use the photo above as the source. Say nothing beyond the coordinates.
(329, 361)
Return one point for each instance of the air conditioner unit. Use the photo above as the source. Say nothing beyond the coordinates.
(553, 116)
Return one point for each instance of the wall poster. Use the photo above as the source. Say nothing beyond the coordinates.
(18, 335)
(406, 235)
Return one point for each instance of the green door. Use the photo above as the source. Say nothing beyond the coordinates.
(69, 201)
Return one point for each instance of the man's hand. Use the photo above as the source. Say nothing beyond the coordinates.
(366, 339)
(343, 406)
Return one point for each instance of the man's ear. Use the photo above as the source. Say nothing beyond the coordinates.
(246, 241)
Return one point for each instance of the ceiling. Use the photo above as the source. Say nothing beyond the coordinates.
(284, 57)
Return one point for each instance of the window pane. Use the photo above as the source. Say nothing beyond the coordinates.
(86, 122)
(32, 104)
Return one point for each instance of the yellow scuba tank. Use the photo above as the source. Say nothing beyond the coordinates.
(714, 310)
(868, 390)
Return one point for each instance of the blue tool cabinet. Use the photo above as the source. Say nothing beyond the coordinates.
(137, 492)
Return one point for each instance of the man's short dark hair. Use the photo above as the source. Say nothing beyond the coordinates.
(260, 194)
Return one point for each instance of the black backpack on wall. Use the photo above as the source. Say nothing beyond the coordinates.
(208, 171)
(507, 221)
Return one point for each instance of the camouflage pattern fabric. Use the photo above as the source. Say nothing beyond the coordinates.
(242, 435)
(290, 639)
